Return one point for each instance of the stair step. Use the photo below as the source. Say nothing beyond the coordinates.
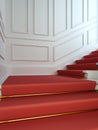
(86, 66)
(25, 85)
(95, 52)
(87, 60)
(83, 121)
(17, 108)
(72, 73)
(91, 55)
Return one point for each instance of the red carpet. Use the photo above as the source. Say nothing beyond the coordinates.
(18, 85)
(95, 52)
(88, 62)
(91, 55)
(86, 66)
(72, 73)
(84, 121)
(67, 95)
(15, 108)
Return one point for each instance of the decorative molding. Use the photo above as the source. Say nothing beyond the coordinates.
(14, 30)
(1, 57)
(2, 28)
(35, 53)
(54, 20)
(90, 10)
(63, 49)
(92, 35)
(42, 26)
(2, 35)
(73, 25)
(3, 73)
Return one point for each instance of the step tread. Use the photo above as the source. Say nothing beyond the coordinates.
(14, 108)
(85, 66)
(73, 73)
(45, 84)
(83, 121)
(87, 60)
(91, 55)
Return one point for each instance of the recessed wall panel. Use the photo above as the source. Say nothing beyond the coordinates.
(77, 12)
(68, 47)
(20, 16)
(30, 53)
(92, 9)
(41, 17)
(92, 35)
(60, 16)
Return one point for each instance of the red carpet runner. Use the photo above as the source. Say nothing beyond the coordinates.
(19, 85)
(88, 62)
(84, 121)
(50, 102)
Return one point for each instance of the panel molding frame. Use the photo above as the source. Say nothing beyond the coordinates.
(54, 14)
(88, 35)
(56, 59)
(79, 24)
(34, 14)
(28, 60)
(89, 19)
(12, 19)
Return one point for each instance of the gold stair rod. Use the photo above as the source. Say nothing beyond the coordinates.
(43, 94)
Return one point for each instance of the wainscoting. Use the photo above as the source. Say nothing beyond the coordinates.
(44, 35)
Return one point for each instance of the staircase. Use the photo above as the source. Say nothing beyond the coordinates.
(51, 102)
(84, 68)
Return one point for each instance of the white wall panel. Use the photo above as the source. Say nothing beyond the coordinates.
(30, 53)
(92, 35)
(20, 16)
(92, 9)
(48, 32)
(60, 16)
(77, 16)
(68, 47)
(41, 17)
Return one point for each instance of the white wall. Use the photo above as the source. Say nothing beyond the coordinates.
(3, 70)
(44, 35)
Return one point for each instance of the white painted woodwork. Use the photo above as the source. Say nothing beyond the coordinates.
(30, 53)
(41, 17)
(92, 35)
(3, 71)
(44, 35)
(92, 9)
(60, 16)
(78, 41)
(77, 16)
(20, 16)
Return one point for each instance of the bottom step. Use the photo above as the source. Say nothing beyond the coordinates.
(83, 121)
